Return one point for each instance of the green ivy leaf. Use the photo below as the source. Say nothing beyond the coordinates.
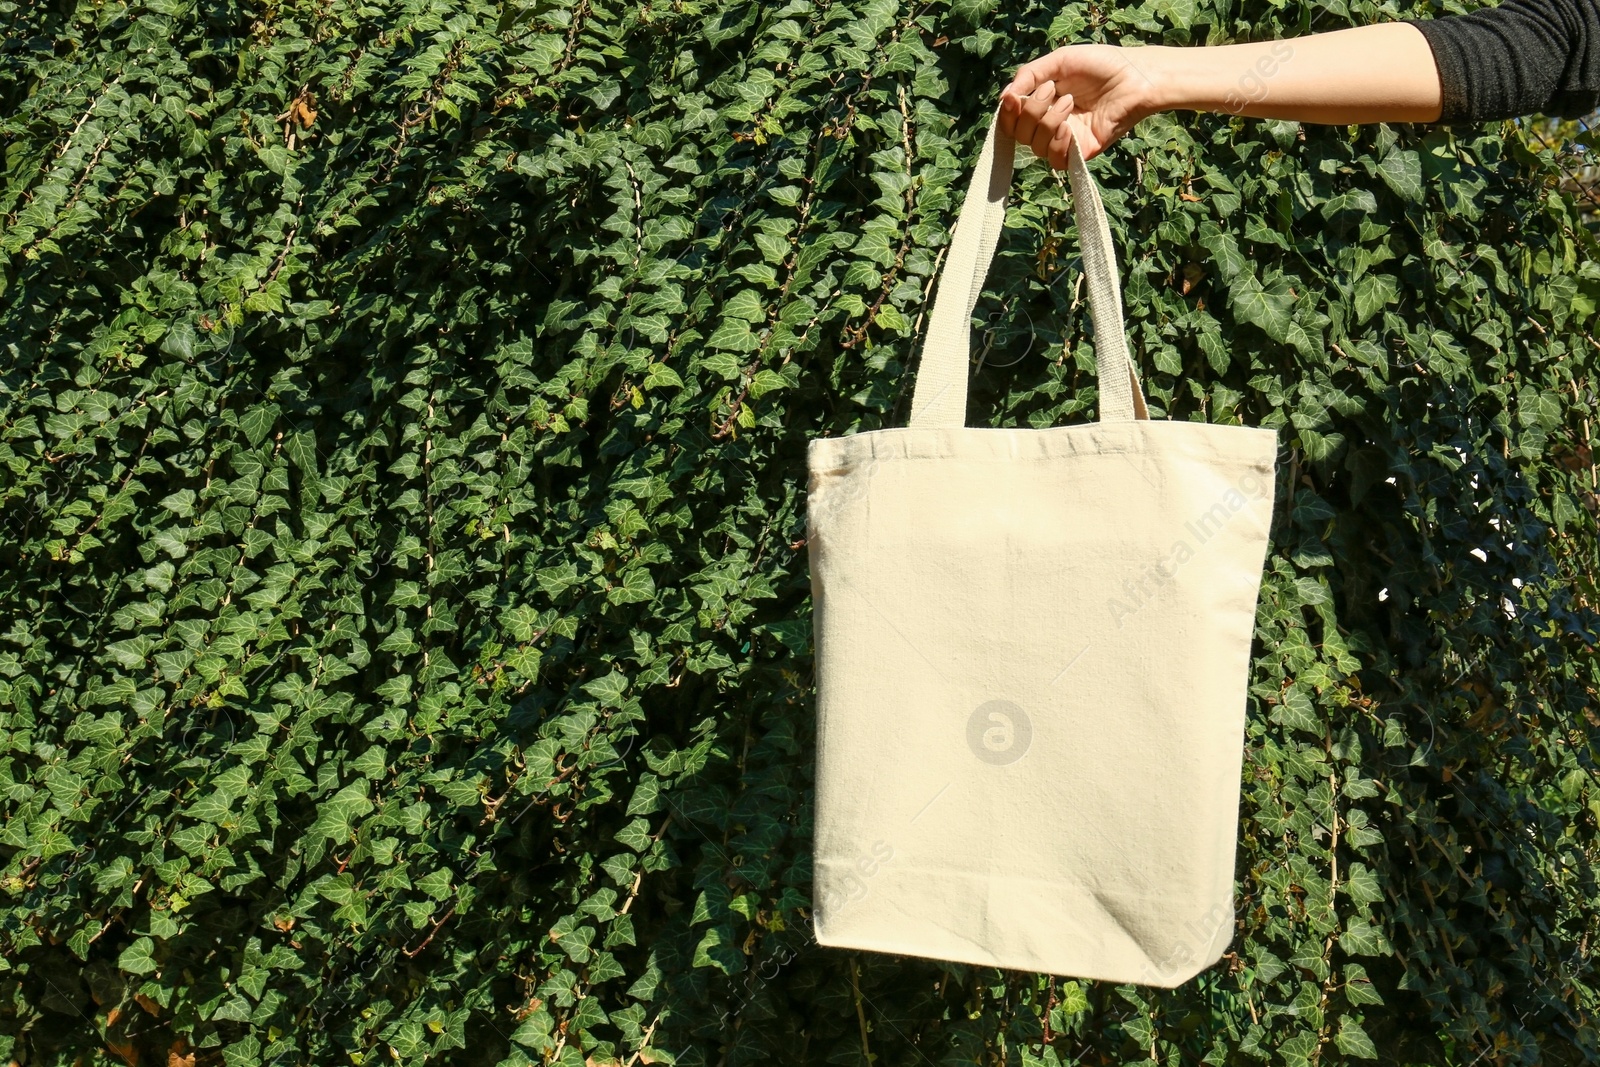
(1353, 1040)
(635, 835)
(608, 689)
(257, 422)
(1297, 711)
(1361, 938)
(336, 816)
(1401, 171)
(138, 957)
(1362, 884)
(1372, 293)
(1268, 306)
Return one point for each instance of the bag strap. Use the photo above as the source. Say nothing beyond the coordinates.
(940, 397)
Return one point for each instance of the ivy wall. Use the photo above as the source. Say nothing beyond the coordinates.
(404, 621)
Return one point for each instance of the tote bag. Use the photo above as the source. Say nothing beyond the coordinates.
(1032, 650)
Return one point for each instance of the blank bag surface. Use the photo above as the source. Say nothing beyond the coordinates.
(1032, 652)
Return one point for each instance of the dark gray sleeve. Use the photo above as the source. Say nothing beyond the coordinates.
(1522, 57)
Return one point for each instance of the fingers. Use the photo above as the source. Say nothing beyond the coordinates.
(1056, 151)
(1034, 110)
(1029, 78)
(1012, 101)
(1050, 127)
(1039, 120)
(1031, 75)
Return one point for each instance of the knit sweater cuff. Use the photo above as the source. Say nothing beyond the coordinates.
(1452, 69)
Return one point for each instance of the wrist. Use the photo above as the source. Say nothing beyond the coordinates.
(1161, 83)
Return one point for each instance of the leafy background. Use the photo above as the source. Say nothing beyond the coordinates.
(405, 636)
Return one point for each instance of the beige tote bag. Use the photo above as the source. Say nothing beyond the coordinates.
(1032, 649)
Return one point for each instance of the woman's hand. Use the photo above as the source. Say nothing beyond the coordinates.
(1098, 92)
(1094, 92)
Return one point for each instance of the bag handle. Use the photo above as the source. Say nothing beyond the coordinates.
(940, 397)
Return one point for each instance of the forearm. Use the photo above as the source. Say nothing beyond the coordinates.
(1382, 73)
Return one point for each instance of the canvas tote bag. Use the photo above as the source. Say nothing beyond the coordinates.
(1032, 649)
